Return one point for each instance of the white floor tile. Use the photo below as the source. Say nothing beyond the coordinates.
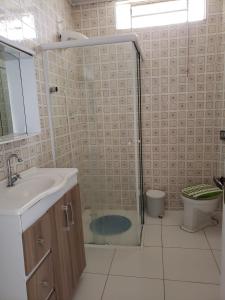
(195, 291)
(98, 260)
(217, 254)
(130, 288)
(214, 236)
(152, 235)
(173, 217)
(190, 265)
(90, 287)
(173, 236)
(152, 221)
(139, 262)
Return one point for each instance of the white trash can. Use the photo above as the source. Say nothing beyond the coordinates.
(155, 203)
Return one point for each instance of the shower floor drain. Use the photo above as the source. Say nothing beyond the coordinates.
(110, 224)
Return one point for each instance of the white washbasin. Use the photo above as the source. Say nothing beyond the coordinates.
(28, 188)
(34, 185)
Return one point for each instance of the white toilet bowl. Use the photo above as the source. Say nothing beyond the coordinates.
(198, 213)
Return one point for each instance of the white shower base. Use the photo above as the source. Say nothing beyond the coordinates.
(129, 238)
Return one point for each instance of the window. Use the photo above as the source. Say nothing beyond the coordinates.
(130, 14)
(18, 29)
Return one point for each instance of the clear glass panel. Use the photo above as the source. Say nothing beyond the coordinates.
(158, 14)
(158, 8)
(160, 19)
(95, 125)
(109, 172)
(57, 76)
(123, 15)
(197, 10)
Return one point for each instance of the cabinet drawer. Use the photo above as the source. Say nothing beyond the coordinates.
(36, 242)
(40, 285)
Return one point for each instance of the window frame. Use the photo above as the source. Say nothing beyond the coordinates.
(132, 16)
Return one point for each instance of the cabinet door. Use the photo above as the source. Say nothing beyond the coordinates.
(61, 249)
(72, 239)
(76, 233)
(78, 230)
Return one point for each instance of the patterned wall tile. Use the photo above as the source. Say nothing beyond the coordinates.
(182, 115)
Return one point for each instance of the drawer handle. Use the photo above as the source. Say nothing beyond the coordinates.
(44, 284)
(65, 209)
(40, 242)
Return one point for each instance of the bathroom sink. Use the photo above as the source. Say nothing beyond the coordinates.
(28, 188)
(35, 184)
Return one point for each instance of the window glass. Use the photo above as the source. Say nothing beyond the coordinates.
(131, 15)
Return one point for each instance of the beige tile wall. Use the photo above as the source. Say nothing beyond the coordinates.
(182, 115)
(35, 151)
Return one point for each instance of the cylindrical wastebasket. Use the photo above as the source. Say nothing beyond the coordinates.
(155, 203)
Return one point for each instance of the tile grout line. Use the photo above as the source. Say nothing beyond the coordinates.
(163, 267)
(137, 277)
(164, 287)
(164, 280)
(210, 248)
(197, 282)
(176, 247)
(157, 278)
(114, 253)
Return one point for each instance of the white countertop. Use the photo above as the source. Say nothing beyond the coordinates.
(36, 184)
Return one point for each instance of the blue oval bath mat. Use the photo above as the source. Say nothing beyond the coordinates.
(109, 225)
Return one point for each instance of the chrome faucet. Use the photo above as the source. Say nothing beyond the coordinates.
(12, 178)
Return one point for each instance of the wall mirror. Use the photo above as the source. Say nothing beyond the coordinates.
(19, 115)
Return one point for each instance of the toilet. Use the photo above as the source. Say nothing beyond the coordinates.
(198, 213)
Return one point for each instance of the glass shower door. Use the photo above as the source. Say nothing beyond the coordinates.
(95, 119)
(109, 176)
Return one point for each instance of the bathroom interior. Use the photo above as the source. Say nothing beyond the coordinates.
(112, 142)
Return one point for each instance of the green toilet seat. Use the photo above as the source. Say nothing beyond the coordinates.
(201, 192)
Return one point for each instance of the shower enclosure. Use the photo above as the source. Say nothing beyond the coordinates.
(96, 127)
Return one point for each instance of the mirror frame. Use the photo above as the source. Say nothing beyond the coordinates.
(28, 78)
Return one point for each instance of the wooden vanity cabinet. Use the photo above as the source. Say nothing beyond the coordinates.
(68, 243)
(54, 250)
